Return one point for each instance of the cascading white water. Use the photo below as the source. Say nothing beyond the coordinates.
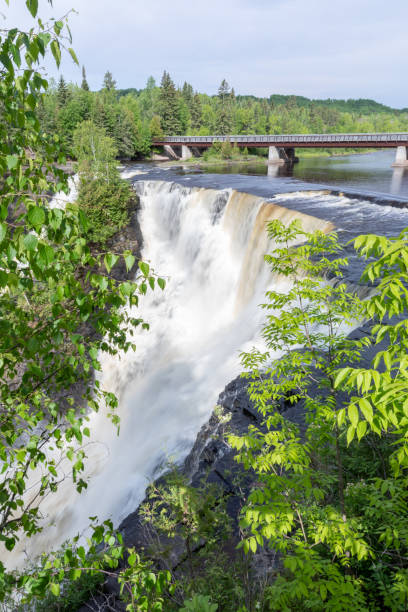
(209, 245)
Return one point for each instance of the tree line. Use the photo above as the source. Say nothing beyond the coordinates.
(134, 118)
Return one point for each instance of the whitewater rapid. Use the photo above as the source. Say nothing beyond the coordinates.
(210, 246)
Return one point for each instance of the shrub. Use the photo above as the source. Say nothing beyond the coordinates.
(106, 205)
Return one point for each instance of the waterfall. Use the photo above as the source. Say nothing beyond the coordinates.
(209, 245)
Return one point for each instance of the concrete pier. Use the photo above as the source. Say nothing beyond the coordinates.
(274, 156)
(169, 151)
(401, 157)
(186, 152)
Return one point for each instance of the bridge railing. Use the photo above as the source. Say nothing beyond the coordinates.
(288, 138)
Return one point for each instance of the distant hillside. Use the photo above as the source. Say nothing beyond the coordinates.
(361, 105)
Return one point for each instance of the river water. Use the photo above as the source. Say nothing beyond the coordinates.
(359, 193)
(204, 231)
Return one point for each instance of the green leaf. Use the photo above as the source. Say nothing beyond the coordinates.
(36, 215)
(162, 283)
(341, 376)
(12, 161)
(129, 261)
(144, 268)
(110, 259)
(132, 559)
(252, 544)
(55, 589)
(353, 414)
(366, 409)
(56, 51)
(361, 429)
(73, 55)
(3, 231)
(30, 242)
(32, 6)
(350, 434)
(58, 25)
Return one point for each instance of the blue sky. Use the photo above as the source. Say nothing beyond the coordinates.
(315, 48)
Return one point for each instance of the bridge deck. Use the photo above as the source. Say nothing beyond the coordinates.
(380, 140)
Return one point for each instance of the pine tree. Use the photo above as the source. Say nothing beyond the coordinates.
(151, 83)
(169, 107)
(109, 84)
(224, 91)
(98, 114)
(84, 84)
(224, 115)
(188, 94)
(62, 92)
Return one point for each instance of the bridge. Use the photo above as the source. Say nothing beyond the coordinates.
(282, 146)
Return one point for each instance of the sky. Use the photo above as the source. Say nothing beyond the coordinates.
(315, 48)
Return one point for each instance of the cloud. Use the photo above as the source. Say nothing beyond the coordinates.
(342, 48)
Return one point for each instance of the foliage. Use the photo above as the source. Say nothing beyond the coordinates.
(193, 520)
(62, 93)
(329, 486)
(224, 111)
(169, 107)
(109, 84)
(199, 603)
(178, 509)
(94, 150)
(223, 150)
(43, 348)
(84, 84)
(106, 203)
(74, 572)
(131, 117)
(155, 128)
(103, 196)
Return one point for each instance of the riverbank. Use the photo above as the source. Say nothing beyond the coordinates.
(196, 162)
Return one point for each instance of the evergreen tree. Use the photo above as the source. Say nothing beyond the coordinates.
(188, 93)
(109, 84)
(62, 92)
(98, 114)
(224, 91)
(84, 84)
(224, 115)
(196, 113)
(151, 83)
(184, 115)
(169, 108)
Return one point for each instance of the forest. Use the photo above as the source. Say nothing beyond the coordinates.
(133, 118)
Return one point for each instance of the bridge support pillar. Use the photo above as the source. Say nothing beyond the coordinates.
(401, 158)
(169, 151)
(274, 156)
(186, 152)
